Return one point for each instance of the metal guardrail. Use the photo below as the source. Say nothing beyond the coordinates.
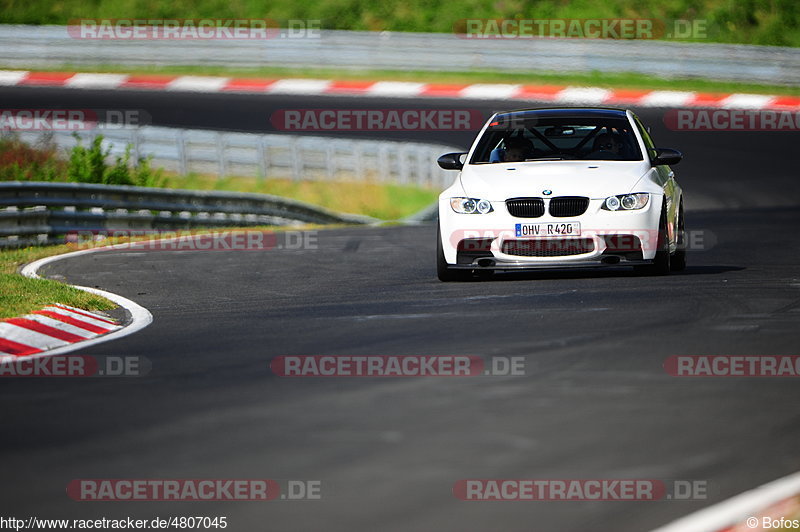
(51, 46)
(270, 155)
(39, 213)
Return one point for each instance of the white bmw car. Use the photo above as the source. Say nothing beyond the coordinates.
(560, 188)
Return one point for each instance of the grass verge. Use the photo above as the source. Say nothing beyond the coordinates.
(384, 201)
(20, 295)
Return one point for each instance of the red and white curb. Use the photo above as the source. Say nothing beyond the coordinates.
(738, 514)
(59, 329)
(562, 95)
(48, 328)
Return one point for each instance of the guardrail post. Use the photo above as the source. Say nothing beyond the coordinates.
(222, 161)
(263, 163)
(330, 161)
(183, 159)
(387, 162)
(402, 163)
(297, 163)
(424, 174)
(359, 160)
(135, 145)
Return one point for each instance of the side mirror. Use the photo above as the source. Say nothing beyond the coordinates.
(451, 161)
(666, 156)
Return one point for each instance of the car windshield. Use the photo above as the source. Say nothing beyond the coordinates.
(519, 137)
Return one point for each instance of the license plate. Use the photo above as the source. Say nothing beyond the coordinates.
(547, 229)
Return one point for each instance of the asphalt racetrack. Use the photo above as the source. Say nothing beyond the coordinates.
(595, 401)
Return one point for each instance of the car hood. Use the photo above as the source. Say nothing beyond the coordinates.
(594, 179)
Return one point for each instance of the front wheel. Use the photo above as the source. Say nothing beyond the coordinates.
(678, 260)
(661, 262)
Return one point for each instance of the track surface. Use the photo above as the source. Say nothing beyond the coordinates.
(595, 402)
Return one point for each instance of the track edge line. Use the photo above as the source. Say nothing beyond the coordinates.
(140, 316)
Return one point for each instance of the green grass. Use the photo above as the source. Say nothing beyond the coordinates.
(20, 295)
(767, 22)
(594, 79)
(384, 201)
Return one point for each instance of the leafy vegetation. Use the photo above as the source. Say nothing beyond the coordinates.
(767, 22)
(21, 162)
(86, 164)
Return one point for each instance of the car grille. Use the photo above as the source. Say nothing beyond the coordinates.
(525, 207)
(566, 206)
(559, 247)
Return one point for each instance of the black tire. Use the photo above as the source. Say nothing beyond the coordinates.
(443, 272)
(661, 262)
(678, 260)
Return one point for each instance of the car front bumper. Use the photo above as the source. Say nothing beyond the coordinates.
(607, 238)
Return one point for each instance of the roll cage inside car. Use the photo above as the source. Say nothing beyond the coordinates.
(559, 136)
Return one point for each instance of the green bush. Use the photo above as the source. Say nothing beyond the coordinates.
(88, 165)
(21, 162)
(85, 164)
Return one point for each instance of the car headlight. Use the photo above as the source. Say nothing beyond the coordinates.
(471, 205)
(626, 202)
